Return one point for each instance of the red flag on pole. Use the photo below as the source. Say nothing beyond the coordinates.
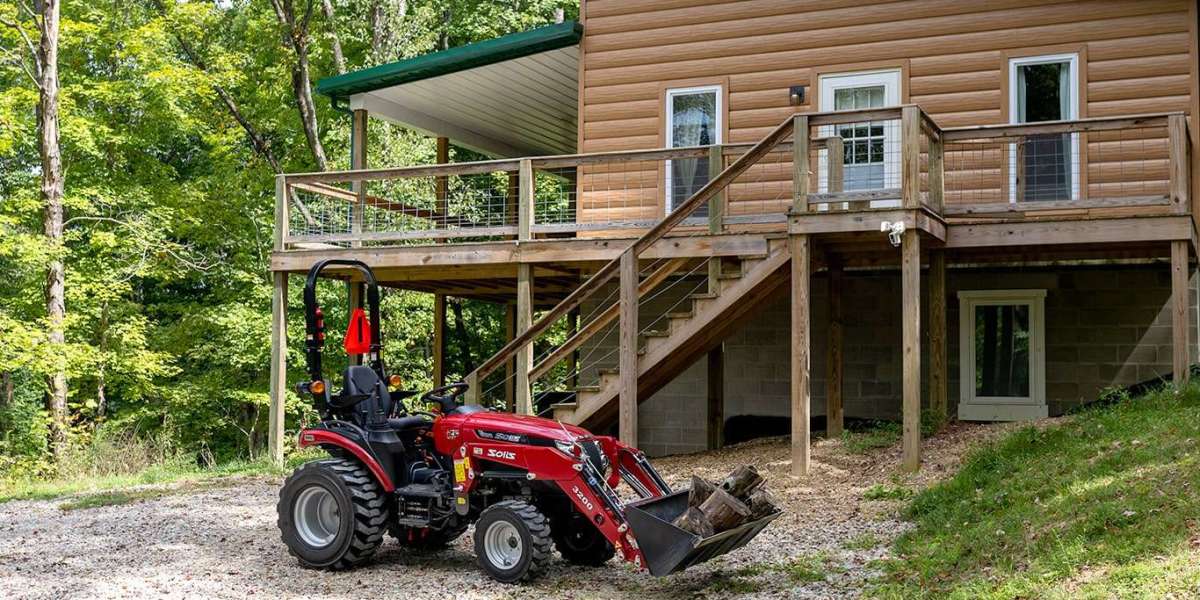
(358, 334)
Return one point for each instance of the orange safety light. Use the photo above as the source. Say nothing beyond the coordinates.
(317, 387)
(395, 381)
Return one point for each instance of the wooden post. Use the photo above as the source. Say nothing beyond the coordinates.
(1019, 169)
(799, 164)
(835, 164)
(514, 195)
(442, 183)
(278, 384)
(1180, 172)
(834, 414)
(716, 215)
(358, 160)
(1180, 352)
(525, 203)
(573, 363)
(510, 366)
(801, 394)
(937, 174)
(938, 373)
(628, 348)
(716, 397)
(910, 156)
(439, 340)
(524, 394)
(355, 298)
(910, 291)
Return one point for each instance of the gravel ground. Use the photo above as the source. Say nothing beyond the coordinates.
(223, 542)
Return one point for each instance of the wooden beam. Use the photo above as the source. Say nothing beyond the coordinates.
(1075, 231)
(800, 140)
(716, 397)
(439, 340)
(910, 292)
(278, 383)
(1180, 167)
(834, 415)
(716, 216)
(510, 368)
(1047, 127)
(524, 355)
(937, 175)
(799, 246)
(1180, 350)
(525, 202)
(910, 157)
(628, 347)
(358, 161)
(441, 183)
(938, 373)
(573, 365)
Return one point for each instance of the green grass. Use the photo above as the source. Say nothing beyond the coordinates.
(880, 491)
(162, 474)
(866, 541)
(879, 434)
(1105, 505)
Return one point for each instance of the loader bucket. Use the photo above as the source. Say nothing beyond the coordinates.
(669, 549)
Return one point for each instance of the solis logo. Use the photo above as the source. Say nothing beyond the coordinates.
(582, 498)
(505, 454)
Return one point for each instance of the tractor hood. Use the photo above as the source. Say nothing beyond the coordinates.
(497, 422)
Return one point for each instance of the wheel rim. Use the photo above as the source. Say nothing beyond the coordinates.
(502, 544)
(317, 517)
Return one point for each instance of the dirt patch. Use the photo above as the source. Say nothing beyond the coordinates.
(223, 543)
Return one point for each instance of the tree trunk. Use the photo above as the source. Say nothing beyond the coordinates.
(339, 60)
(101, 380)
(6, 389)
(52, 196)
(295, 35)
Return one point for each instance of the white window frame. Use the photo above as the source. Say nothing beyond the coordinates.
(891, 80)
(719, 126)
(1002, 408)
(1014, 64)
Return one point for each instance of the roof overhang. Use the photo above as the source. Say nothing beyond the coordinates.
(515, 95)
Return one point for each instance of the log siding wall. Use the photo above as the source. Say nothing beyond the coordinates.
(1134, 57)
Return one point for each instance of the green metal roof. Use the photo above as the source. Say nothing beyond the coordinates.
(516, 45)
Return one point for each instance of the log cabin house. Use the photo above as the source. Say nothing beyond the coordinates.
(811, 210)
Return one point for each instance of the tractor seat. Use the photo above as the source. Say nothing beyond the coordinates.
(409, 423)
(362, 380)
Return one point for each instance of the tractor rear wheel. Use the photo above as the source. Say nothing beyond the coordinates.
(332, 514)
(581, 543)
(512, 541)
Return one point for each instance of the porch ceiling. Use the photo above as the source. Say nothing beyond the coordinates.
(515, 95)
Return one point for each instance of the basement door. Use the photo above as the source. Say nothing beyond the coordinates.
(871, 149)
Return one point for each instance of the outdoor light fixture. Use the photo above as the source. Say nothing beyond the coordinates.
(796, 94)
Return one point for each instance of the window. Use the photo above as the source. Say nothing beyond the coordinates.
(1001, 336)
(693, 119)
(869, 148)
(1044, 167)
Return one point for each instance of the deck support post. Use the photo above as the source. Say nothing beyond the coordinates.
(910, 157)
(1180, 352)
(439, 340)
(834, 413)
(938, 378)
(910, 291)
(441, 184)
(716, 397)
(627, 350)
(358, 160)
(799, 246)
(524, 358)
(278, 384)
(510, 366)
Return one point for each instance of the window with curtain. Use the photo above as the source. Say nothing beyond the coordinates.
(1044, 163)
(693, 119)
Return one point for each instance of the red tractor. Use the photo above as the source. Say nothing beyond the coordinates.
(528, 484)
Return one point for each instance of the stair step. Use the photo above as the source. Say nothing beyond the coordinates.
(656, 333)
(583, 389)
(703, 296)
(609, 371)
(563, 410)
(681, 315)
(737, 275)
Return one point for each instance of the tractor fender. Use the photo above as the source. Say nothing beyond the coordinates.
(323, 437)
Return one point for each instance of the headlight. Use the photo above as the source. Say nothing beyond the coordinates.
(568, 448)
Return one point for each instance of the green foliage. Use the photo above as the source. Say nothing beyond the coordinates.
(169, 215)
(880, 491)
(873, 435)
(1101, 506)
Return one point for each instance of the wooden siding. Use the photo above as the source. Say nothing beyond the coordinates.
(1135, 57)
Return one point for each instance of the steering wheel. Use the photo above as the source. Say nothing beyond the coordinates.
(447, 395)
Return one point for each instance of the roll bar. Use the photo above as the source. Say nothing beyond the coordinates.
(314, 319)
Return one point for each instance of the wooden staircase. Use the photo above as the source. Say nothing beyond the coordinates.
(692, 332)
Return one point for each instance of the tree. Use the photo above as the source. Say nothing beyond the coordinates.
(295, 33)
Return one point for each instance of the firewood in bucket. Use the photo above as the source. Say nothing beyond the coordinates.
(742, 481)
(693, 520)
(700, 492)
(761, 504)
(724, 511)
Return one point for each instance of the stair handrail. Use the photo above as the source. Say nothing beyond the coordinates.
(637, 247)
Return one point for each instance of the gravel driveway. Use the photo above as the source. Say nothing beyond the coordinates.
(223, 543)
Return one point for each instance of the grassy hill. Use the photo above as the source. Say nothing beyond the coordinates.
(1103, 505)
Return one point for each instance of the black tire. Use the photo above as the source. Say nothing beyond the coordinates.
(354, 492)
(529, 541)
(580, 542)
(425, 538)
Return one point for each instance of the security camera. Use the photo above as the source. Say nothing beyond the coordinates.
(895, 231)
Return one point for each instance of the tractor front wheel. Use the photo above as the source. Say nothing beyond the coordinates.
(581, 543)
(512, 541)
(332, 514)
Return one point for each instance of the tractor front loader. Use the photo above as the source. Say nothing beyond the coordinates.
(528, 484)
